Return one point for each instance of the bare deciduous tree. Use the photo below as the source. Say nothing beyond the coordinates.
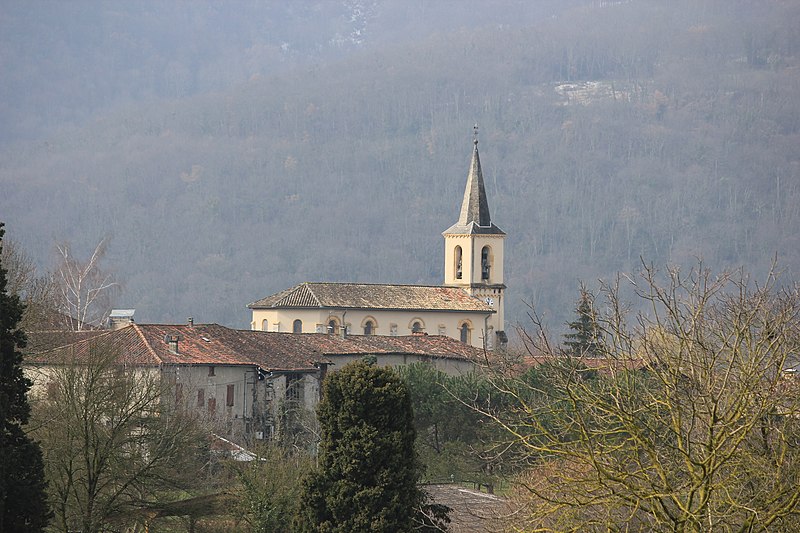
(269, 488)
(36, 291)
(112, 445)
(690, 423)
(84, 289)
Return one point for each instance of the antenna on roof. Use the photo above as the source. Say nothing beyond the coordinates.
(475, 133)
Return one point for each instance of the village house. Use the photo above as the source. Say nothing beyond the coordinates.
(245, 383)
(468, 307)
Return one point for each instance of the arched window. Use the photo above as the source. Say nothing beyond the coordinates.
(417, 326)
(369, 325)
(333, 326)
(264, 325)
(297, 326)
(464, 332)
(458, 254)
(485, 266)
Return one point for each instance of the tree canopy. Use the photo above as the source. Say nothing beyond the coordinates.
(584, 336)
(22, 487)
(367, 476)
(690, 424)
(114, 447)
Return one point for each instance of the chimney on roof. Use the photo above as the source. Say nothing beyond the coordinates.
(343, 331)
(172, 342)
(119, 318)
(191, 322)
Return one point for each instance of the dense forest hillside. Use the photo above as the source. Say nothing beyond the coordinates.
(609, 132)
(64, 61)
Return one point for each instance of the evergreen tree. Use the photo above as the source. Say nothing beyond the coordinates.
(367, 476)
(585, 339)
(23, 504)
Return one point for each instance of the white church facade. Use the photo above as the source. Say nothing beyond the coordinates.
(468, 306)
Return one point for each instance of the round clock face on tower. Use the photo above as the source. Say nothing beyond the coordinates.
(489, 301)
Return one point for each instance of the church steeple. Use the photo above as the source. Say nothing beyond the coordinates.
(474, 217)
(473, 250)
(475, 208)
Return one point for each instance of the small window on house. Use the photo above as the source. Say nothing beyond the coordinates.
(369, 327)
(392, 329)
(485, 267)
(294, 384)
(229, 395)
(201, 397)
(264, 325)
(212, 405)
(211, 371)
(297, 326)
(458, 254)
(416, 327)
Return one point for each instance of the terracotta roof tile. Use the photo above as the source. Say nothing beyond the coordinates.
(374, 296)
(212, 344)
(42, 341)
(76, 348)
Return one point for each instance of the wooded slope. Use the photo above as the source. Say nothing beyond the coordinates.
(609, 133)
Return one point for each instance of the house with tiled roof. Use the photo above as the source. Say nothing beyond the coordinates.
(234, 379)
(467, 307)
(241, 381)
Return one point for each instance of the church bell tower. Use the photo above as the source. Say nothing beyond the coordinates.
(473, 252)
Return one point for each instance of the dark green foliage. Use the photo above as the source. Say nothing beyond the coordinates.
(24, 502)
(367, 476)
(585, 338)
(22, 495)
(454, 440)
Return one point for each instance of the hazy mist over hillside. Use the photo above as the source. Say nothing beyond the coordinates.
(64, 61)
(233, 149)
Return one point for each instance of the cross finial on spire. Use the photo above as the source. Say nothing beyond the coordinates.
(475, 133)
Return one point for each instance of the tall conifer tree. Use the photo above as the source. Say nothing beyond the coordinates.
(368, 470)
(23, 504)
(584, 338)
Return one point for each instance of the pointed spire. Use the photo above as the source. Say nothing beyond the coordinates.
(475, 207)
(474, 217)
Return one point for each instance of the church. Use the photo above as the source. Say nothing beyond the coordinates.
(468, 306)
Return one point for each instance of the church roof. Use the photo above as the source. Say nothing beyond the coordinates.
(374, 296)
(474, 217)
